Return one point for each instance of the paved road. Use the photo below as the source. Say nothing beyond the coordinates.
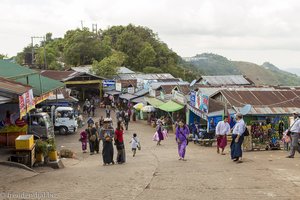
(156, 173)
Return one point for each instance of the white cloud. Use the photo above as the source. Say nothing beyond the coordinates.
(248, 29)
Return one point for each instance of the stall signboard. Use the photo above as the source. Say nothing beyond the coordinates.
(42, 98)
(26, 102)
(130, 90)
(119, 87)
(109, 84)
(193, 98)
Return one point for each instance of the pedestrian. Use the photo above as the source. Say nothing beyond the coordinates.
(135, 144)
(129, 112)
(119, 142)
(294, 132)
(97, 142)
(107, 135)
(101, 122)
(90, 122)
(86, 104)
(237, 138)
(222, 130)
(182, 134)
(126, 120)
(83, 140)
(92, 136)
(107, 111)
(93, 110)
(159, 130)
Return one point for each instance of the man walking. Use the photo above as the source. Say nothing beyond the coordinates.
(237, 138)
(222, 130)
(294, 134)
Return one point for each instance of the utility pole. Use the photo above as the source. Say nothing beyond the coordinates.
(94, 28)
(32, 52)
(81, 25)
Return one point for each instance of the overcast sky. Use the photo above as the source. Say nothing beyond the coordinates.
(248, 30)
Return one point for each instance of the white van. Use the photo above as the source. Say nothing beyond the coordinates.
(65, 120)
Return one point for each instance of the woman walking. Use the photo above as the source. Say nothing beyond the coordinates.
(237, 139)
(107, 134)
(119, 141)
(182, 134)
(159, 131)
(83, 140)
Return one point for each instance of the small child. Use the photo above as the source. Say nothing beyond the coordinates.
(135, 144)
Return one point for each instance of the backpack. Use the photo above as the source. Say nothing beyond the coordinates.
(246, 132)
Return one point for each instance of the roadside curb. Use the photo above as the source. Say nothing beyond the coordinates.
(17, 165)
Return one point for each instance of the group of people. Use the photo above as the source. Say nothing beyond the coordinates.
(104, 132)
(239, 131)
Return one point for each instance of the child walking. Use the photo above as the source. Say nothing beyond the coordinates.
(135, 144)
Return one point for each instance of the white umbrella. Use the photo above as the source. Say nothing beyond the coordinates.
(148, 109)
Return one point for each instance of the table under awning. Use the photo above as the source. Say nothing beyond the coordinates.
(171, 106)
(154, 102)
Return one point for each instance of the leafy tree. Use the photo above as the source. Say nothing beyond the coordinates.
(81, 47)
(152, 70)
(147, 56)
(109, 66)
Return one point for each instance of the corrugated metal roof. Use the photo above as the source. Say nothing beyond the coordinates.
(275, 98)
(139, 100)
(156, 85)
(225, 80)
(87, 69)
(127, 96)
(59, 75)
(145, 76)
(39, 83)
(13, 87)
(142, 92)
(271, 110)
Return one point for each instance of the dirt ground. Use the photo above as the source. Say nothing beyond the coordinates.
(156, 173)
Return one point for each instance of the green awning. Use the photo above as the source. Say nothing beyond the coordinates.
(154, 102)
(39, 84)
(171, 106)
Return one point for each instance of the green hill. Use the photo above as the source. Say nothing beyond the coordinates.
(266, 74)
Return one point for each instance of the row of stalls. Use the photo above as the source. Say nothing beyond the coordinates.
(21, 90)
(267, 111)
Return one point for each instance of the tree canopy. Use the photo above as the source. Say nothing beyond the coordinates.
(140, 48)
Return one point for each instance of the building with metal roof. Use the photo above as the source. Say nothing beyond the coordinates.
(224, 80)
(87, 69)
(263, 102)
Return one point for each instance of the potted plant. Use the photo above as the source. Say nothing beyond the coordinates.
(52, 152)
(40, 150)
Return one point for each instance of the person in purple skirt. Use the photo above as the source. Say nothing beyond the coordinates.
(182, 134)
(159, 131)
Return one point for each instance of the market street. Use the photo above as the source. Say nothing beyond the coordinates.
(156, 173)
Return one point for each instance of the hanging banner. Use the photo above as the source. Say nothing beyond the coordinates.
(204, 103)
(26, 102)
(193, 98)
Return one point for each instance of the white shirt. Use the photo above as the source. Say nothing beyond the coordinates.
(134, 142)
(296, 126)
(239, 128)
(222, 128)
